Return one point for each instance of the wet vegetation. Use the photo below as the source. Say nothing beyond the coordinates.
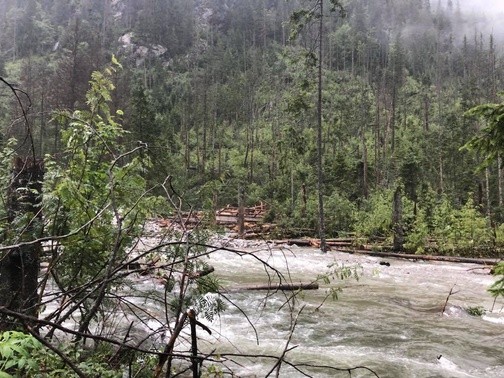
(225, 99)
(379, 121)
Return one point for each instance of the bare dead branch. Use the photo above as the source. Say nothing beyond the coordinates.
(448, 298)
(16, 91)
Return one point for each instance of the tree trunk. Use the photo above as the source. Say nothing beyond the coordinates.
(241, 211)
(455, 259)
(397, 221)
(19, 266)
(393, 121)
(365, 189)
(320, 173)
(487, 193)
(499, 179)
(426, 104)
(377, 147)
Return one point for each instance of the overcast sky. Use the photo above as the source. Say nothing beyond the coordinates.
(489, 7)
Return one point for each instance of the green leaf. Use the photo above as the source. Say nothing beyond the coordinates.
(114, 60)
(5, 351)
(10, 363)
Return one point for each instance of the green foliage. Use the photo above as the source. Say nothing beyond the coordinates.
(460, 230)
(417, 237)
(497, 288)
(471, 229)
(95, 194)
(208, 305)
(229, 106)
(374, 218)
(23, 355)
(340, 215)
(6, 155)
(212, 89)
(443, 220)
(338, 272)
(475, 311)
(92, 364)
(499, 235)
(490, 140)
(301, 18)
(213, 371)
(17, 354)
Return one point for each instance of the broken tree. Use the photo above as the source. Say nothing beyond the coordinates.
(20, 263)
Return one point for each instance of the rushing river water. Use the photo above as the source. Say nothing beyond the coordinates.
(390, 320)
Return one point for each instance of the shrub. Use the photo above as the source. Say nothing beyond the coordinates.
(375, 217)
(416, 239)
(17, 354)
(460, 230)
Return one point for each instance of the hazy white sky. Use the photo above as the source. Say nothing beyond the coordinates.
(489, 7)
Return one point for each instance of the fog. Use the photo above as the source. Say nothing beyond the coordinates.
(487, 7)
(485, 17)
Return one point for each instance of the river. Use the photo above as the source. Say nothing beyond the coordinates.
(389, 320)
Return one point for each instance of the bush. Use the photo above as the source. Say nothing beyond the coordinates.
(472, 229)
(375, 217)
(16, 354)
(417, 238)
(461, 230)
(339, 215)
(454, 230)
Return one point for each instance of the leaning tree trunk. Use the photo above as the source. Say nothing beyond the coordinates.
(19, 265)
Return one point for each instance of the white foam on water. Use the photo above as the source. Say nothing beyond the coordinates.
(493, 318)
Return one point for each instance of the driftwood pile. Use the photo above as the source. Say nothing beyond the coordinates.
(230, 215)
(248, 222)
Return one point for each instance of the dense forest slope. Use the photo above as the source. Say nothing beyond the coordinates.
(225, 99)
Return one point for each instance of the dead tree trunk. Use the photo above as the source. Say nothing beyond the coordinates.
(280, 286)
(241, 211)
(397, 220)
(19, 266)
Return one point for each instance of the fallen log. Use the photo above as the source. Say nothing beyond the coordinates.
(201, 273)
(275, 287)
(367, 249)
(316, 242)
(299, 242)
(409, 256)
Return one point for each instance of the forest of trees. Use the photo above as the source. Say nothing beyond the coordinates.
(372, 110)
(224, 96)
